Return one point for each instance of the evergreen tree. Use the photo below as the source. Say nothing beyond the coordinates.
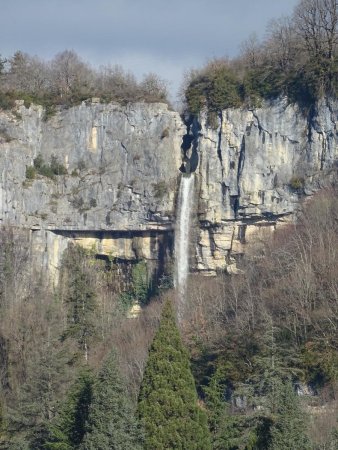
(31, 407)
(288, 431)
(111, 423)
(79, 296)
(224, 428)
(168, 405)
(232, 431)
(69, 428)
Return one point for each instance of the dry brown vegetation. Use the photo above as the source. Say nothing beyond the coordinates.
(283, 307)
(67, 80)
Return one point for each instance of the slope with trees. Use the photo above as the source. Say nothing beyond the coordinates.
(168, 405)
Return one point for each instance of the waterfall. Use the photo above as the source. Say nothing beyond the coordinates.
(184, 206)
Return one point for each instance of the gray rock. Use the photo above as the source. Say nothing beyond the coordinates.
(123, 172)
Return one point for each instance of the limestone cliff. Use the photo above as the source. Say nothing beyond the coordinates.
(253, 170)
(119, 195)
(123, 163)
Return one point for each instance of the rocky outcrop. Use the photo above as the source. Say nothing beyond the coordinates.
(123, 167)
(122, 164)
(253, 170)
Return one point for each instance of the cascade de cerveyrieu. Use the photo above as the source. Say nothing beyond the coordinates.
(184, 207)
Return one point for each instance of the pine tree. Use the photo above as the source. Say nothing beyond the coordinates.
(111, 423)
(30, 408)
(288, 431)
(69, 428)
(230, 431)
(79, 296)
(168, 405)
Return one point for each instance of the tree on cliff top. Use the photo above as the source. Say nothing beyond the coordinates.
(168, 405)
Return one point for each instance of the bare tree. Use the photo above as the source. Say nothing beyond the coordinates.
(251, 51)
(154, 88)
(281, 44)
(70, 73)
(316, 24)
(27, 74)
(115, 83)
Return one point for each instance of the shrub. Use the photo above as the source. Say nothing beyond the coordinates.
(38, 162)
(56, 167)
(4, 136)
(216, 87)
(92, 203)
(160, 189)
(30, 172)
(7, 100)
(51, 170)
(296, 183)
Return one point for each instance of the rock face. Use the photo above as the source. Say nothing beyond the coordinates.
(119, 195)
(123, 163)
(252, 170)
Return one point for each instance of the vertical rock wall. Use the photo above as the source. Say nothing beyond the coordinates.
(253, 171)
(124, 163)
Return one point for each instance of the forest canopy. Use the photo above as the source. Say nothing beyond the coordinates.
(68, 80)
(298, 58)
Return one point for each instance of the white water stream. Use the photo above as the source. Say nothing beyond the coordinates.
(184, 207)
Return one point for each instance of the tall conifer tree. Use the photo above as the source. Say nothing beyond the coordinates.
(111, 422)
(168, 405)
(68, 430)
(80, 296)
(288, 431)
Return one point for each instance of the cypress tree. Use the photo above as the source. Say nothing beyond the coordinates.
(111, 422)
(168, 405)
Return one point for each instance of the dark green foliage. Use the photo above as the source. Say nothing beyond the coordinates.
(168, 405)
(29, 415)
(223, 90)
(56, 167)
(7, 100)
(49, 170)
(216, 87)
(68, 429)
(160, 189)
(139, 289)
(140, 283)
(223, 426)
(232, 430)
(79, 296)
(261, 83)
(30, 172)
(296, 183)
(288, 428)
(111, 422)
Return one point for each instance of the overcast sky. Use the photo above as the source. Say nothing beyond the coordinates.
(162, 36)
